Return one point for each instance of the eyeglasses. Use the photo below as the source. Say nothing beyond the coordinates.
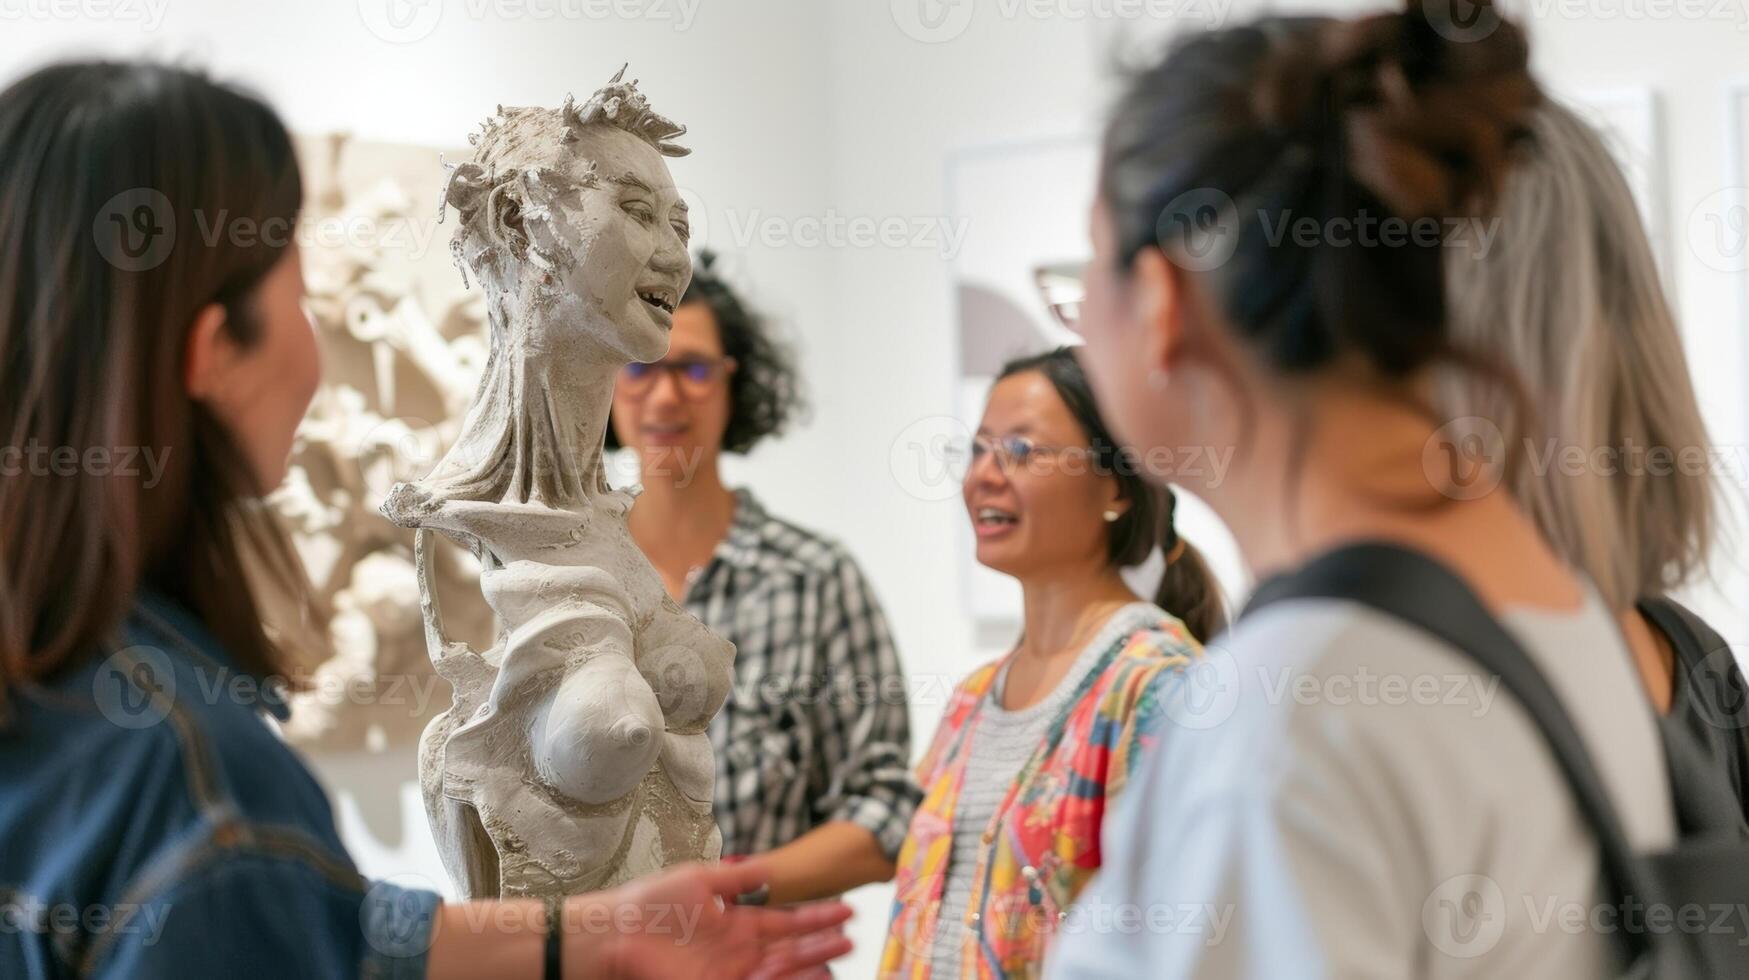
(696, 377)
(1063, 286)
(1013, 453)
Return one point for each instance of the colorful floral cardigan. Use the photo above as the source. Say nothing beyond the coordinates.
(1042, 846)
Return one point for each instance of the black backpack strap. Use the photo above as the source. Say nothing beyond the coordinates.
(1707, 785)
(1423, 593)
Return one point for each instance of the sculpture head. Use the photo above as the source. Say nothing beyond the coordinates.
(571, 213)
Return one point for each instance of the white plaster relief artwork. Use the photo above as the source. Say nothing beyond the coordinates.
(402, 347)
(574, 756)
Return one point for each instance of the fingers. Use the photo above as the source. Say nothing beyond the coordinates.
(726, 881)
(795, 921)
(801, 959)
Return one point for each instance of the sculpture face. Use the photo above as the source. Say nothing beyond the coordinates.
(620, 223)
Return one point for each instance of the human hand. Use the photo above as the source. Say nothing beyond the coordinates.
(684, 923)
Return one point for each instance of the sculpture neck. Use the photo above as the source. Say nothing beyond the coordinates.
(581, 396)
(561, 394)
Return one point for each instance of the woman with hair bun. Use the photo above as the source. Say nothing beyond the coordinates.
(1343, 795)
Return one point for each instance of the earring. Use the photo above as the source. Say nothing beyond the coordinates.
(1111, 515)
(1157, 379)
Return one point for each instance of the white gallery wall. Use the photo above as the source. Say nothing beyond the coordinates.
(808, 117)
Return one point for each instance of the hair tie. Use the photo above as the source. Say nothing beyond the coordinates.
(1177, 551)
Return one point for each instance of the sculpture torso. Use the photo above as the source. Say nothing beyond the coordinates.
(577, 742)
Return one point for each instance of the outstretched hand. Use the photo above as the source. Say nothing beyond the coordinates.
(683, 923)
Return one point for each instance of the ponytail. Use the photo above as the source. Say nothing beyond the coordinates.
(1188, 588)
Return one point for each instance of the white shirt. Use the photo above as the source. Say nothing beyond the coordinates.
(1342, 796)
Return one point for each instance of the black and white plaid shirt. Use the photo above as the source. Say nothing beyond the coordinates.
(818, 726)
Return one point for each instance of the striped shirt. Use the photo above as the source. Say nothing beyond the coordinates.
(1004, 740)
(817, 727)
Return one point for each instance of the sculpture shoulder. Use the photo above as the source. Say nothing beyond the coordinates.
(672, 625)
(511, 531)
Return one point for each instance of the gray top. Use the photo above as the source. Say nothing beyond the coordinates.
(1345, 796)
(999, 745)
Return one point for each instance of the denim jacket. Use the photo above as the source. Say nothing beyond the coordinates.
(153, 825)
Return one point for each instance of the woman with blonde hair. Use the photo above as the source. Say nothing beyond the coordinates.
(1567, 292)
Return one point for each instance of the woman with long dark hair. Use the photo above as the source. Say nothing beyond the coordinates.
(154, 363)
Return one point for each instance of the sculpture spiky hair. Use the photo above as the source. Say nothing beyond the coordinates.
(618, 103)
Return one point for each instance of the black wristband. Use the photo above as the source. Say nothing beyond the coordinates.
(554, 970)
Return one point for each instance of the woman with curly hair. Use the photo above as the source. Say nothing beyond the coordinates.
(814, 744)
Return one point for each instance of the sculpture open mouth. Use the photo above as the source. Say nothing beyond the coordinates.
(661, 299)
